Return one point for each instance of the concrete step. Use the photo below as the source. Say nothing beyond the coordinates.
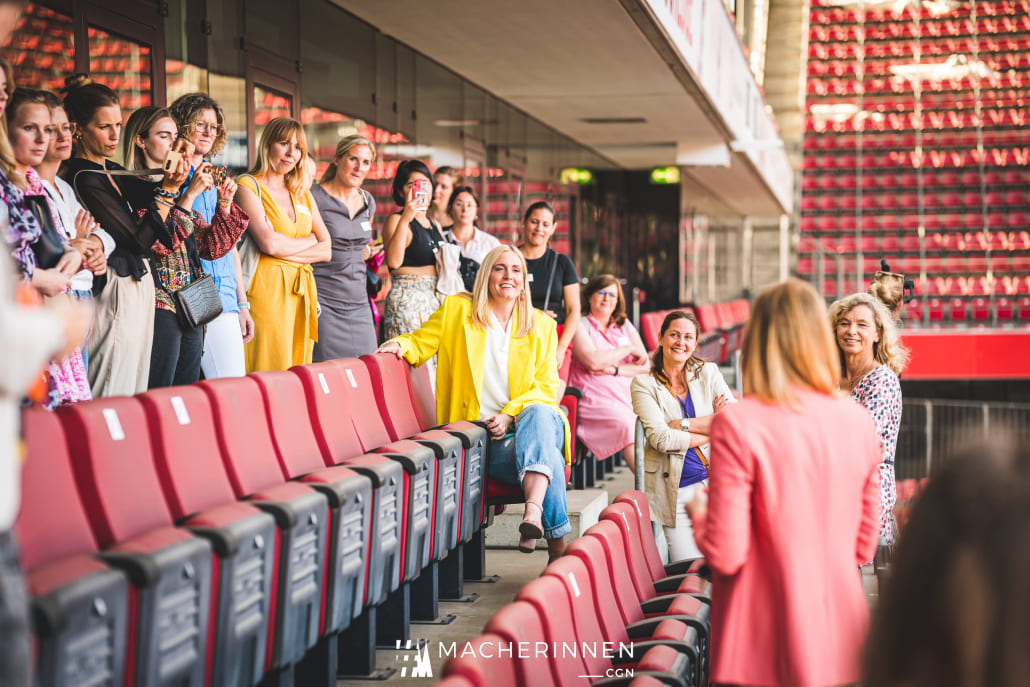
(585, 506)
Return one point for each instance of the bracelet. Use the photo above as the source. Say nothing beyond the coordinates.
(243, 304)
(616, 373)
(164, 201)
(164, 194)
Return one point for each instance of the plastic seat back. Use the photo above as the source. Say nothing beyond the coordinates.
(624, 517)
(289, 419)
(243, 434)
(519, 622)
(604, 560)
(369, 424)
(483, 665)
(638, 500)
(389, 377)
(423, 396)
(548, 596)
(332, 422)
(185, 445)
(46, 533)
(593, 602)
(114, 468)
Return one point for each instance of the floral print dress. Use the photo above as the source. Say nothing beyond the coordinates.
(879, 392)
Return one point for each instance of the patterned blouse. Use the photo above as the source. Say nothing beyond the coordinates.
(879, 392)
(212, 241)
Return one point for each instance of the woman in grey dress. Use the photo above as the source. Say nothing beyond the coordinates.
(345, 328)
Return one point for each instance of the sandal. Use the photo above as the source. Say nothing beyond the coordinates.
(530, 529)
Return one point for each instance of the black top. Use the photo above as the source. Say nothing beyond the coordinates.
(540, 273)
(119, 214)
(421, 252)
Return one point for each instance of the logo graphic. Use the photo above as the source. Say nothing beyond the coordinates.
(421, 658)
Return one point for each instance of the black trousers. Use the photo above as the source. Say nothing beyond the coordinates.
(176, 353)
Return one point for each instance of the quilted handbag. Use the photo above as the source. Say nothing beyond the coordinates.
(197, 303)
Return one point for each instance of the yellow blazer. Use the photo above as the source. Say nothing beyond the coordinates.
(460, 348)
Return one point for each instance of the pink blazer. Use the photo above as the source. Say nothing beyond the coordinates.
(793, 510)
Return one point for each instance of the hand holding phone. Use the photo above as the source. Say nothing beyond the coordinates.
(420, 193)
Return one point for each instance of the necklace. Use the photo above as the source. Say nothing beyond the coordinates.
(853, 381)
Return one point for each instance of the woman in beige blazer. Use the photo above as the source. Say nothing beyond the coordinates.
(676, 401)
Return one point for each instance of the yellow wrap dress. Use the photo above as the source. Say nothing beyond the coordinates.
(282, 296)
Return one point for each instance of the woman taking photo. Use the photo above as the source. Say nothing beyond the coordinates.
(553, 281)
(138, 214)
(28, 133)
(288, 230)
(496, 365)
(346, 329)
(474, 242)
(178, 347)
(201, 122)
(871, 358)
(794, 507)
(676, 399)
(607, 354)
(411, 241)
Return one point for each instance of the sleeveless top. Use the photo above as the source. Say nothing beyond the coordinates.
(421, 252)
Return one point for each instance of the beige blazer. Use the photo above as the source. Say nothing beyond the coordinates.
(656, 406)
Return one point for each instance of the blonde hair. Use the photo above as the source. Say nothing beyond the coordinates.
(481, 292)
(278, 130)
(8, 165)
(888, 350)
(787, 344)
(889, 289)
(342, 148)
(139, 125)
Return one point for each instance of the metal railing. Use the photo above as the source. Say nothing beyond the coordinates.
(933, 429)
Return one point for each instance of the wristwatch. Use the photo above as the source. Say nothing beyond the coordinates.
(685, 424)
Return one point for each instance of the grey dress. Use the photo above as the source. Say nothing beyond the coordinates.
(345, 328)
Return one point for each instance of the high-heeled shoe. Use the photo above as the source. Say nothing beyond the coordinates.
(530, 529)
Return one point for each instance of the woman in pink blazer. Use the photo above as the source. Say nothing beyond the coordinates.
(792, 506)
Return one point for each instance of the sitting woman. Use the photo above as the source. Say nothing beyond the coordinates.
(607, 354)
(676, 401)
(497, 365)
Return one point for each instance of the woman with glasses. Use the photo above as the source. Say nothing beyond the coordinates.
(607, 354)
(201, 122)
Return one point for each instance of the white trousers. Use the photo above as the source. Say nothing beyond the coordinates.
(681, 537)
(223, 348)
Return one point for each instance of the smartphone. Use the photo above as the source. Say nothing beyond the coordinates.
(174, 155)
(218, 174)
(420, 190)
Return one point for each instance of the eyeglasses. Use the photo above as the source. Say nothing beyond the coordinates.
(205, 128)
(614, 295)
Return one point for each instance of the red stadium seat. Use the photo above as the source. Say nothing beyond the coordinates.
(169, 569)
(483, 665)
(80, 606)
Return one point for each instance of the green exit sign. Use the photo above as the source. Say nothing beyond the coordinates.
(573, 175)
(665, 175)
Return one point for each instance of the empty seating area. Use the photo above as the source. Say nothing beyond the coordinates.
(609, 590)
(245, 530)
(722, 328)
(915, 151)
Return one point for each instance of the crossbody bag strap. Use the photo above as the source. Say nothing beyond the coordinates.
(550, 280)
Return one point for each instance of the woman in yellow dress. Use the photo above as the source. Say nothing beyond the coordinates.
(289, 232)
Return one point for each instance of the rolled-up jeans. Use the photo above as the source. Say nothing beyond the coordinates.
(538, 446)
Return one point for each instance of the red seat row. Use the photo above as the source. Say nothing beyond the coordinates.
(216, 533)
(609, 590)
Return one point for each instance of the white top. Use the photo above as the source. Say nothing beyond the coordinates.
(478, 246)
(63, 198)
(496, 389)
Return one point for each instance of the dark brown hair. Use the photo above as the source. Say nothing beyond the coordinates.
(954, 609)
(692, 369)
(456, 191)
(598, 283)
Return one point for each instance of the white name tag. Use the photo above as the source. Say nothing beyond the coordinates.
(529, 277)
(303, 209)
(180, 410)
(366, 226)
(114, 425)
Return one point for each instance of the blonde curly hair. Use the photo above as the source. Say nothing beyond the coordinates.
(888, 350)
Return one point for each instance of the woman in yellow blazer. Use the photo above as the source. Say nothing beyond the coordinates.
(496, 364)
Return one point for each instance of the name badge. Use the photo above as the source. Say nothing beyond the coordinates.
(366, 226)
(303, 209)
(529, 277)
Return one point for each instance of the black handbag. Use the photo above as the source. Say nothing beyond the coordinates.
(48, 248)
(468, 268)
(197, 303)
(373, 283)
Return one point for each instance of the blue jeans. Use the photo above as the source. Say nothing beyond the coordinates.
(538, 446)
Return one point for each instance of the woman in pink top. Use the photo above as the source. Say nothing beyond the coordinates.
(792, 506)
(606, 354)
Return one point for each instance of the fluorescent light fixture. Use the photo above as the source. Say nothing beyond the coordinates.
(755, 145)
(955, 67)
(937, 8)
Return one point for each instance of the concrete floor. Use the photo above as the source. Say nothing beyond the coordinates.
(514, 569)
